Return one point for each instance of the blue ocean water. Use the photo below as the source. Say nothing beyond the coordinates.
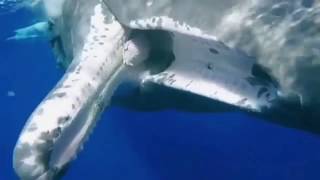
(149, 146)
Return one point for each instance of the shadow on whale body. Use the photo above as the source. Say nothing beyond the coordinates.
(154, 97)
(293, 115)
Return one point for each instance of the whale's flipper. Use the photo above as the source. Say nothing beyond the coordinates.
(210, 69)
(58, 127)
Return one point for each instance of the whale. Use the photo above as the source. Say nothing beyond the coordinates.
(115, 54)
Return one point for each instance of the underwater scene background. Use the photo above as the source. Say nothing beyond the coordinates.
(150, 145)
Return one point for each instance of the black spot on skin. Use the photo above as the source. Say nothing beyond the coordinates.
(213, 51)
(66, 86)
(54, 95)
(153, 20)
(210, 66)
(60, 95)
(101, 43)
(189, 84)
(172, 76)
(261, 91)
(73, 106)
(63, 120)
(103, 36)
(56, 132)
(171, 81)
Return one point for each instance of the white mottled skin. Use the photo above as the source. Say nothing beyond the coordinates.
(68, 102)
(169, 24)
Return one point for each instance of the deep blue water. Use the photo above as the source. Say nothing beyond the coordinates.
(150, 146)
